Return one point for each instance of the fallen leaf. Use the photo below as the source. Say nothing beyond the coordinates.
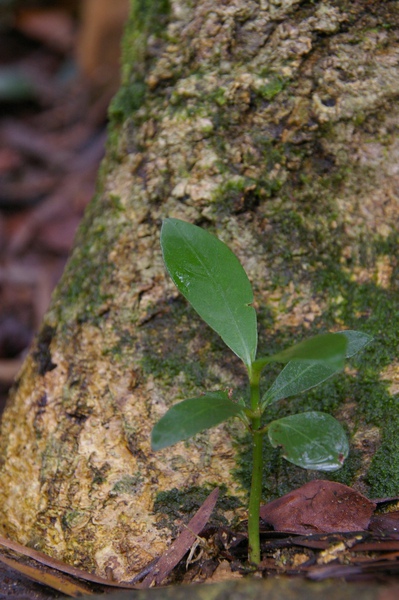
(57, 236)
(385, 523)
(56, 581)
(17, 193)
(53, 27)
(382, 502)
(223, 573)
(319, 506)
(58, 565)
(182, 543)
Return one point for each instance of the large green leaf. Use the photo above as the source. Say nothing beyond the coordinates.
(327, 347)
(189, 417)
(212, 279)
(301, 375)
(312, 440)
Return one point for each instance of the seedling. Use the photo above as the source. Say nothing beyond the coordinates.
(214, 282)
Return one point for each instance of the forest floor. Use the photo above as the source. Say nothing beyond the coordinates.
(321, 531)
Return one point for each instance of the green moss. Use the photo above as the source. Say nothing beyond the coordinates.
(219, 96)
(122, 350)
(176, 505)
(147, 19)
(383, 473)
(77, 291)
(366, 306)
(89, 266)
(99, 475)
(241, 194)
(162, 360)
(127, 101)
(116, 203)
(279, 476)
(234, 187)
(273, 87)
(72, 518)
(355, 306)
(303, 234)
(128, 484)
(359, 119)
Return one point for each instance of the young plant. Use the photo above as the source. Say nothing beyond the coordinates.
(214, 282)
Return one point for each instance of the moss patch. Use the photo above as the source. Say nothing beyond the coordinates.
(198, 348)
(350, 305)
(85, 283)
(272, 87)
(147, 18)
(128, 484)
(174, 506)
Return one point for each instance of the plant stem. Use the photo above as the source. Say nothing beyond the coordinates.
(256, 483)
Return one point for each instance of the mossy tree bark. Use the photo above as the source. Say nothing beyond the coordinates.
(274, 125)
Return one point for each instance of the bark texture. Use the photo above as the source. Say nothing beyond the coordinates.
(274, 125)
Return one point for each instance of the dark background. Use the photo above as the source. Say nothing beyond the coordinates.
(59, 65)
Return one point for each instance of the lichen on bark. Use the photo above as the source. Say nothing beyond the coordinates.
(274, 125)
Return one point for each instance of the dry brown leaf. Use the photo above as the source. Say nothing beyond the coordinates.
(223, 573)
(60, 566)
(319, 506)
(53, 27)
(182, 543)
(55, 580)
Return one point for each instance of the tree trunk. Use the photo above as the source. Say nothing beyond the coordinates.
(274, 125)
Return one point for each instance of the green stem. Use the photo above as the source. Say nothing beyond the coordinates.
(256, 483)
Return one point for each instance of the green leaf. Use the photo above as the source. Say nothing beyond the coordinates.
(301, 375)
(327, 347)
(357, 340)
(189, 417)
(312, 440)
(212, 279)
(298, 376)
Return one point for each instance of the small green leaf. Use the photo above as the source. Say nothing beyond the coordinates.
(357, 340)
(312, 440)
(212, 279)
(327, 347)
(189, 417)
(301, 375)
(298, 376)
